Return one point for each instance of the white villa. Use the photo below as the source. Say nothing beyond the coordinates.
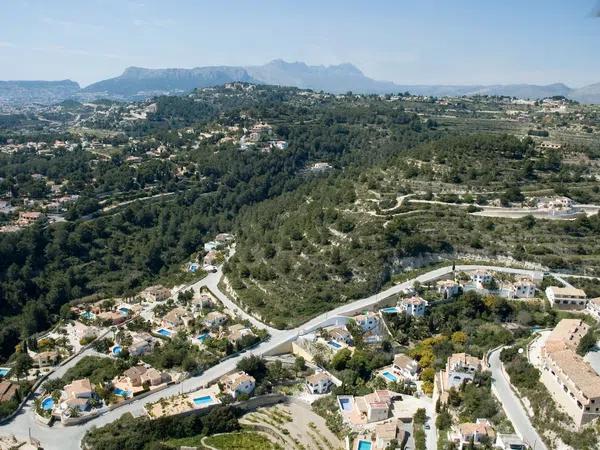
(566, 297)
(413, 306)
(238, 383)
(318, 383)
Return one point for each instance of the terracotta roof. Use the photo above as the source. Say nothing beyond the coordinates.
(578, 371)
(567, 291)
(566, 335)
(481, 428)
(403, 361)
(464, 360)
(78, 387)
(318, 377)
(416, 300)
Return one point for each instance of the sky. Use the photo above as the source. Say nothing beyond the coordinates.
(405, 41)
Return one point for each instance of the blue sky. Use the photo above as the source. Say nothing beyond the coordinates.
(406, 41)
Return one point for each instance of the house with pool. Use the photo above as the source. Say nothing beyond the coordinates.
(214, 319)
(138, 379)
(460, 368)
(382, 437)
(374, 407)
(237, 383)
(402, 368)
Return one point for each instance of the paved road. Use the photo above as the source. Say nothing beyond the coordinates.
(511, 404)
(68, 438)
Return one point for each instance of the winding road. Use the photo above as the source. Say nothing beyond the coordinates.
(59, 437)
(512, 406)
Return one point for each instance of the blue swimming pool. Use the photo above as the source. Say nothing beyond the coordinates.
(334, 344)
(202, 337)
(88, 315)
(390, 310)
(4, 371)
(164, 332)
(345, 404)
(124, 311)
(205, 400)
(364, 445)
(116, 350)
(390, 376)
(47, 403)
(121, 392)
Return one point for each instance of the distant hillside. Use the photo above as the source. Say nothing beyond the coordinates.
(336, 79)
(138, 83)
(23, 92)
(587, 94)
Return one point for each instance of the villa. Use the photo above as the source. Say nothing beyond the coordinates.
(573, 383)
(406, 366)
(481, 278)
(340, 335)
(142, 343)
(369, 408)
(113, 317)
(480, 432)
(156, 293)
(237, 332)
(523, 288)
(413, 306)
(201, 302)
(460, 368)
(238, 383)
(387, 432)
(175, 318)
(215, 319)
(211, 258)
(367, 321)
(45, 359)
(224, 237)
(448, 288)
(566, 297)
(139, 378)
(318, 383)
(77, 395)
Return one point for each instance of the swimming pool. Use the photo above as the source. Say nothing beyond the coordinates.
(205, 400)
(202, 337)
(4, 371)
(334, 344)
(345, 403)
(390, 310)
(390, 376)
(88, 315)
(116, 350)
(164, 332)
(47, 403)
(121, 392)
(364, 445)
(124, 311)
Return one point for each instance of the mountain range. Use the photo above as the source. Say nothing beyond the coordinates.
(137, 83)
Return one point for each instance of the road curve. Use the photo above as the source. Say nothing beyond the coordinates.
(512, 406)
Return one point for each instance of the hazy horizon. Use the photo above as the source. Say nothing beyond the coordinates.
(430, 42)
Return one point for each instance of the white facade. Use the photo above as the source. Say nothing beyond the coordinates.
(414, 306)
(481, 277)
(566, 297)
(368, 321)
(318, 383)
